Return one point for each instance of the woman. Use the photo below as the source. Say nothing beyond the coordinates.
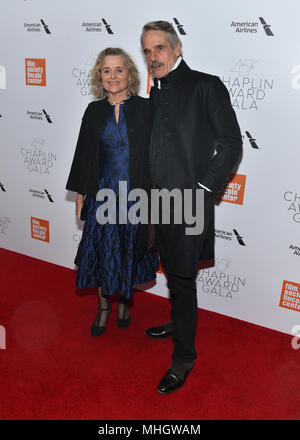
(112, 146)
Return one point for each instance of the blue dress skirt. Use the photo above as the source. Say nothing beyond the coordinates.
(106, 253)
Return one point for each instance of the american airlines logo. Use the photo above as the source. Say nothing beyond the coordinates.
(39, 115)
(295, 249)
(47, 116)
(179, 27)
(267, 27)
(41, 194)
(293, 199)
(107, 26)
(239, 237)
(251, 27)
(37, 27)
(228, 235)
(46, 27)
(49, 196)
(251, 140)
(2, 187)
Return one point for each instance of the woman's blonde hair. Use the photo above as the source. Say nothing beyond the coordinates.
(96, 83)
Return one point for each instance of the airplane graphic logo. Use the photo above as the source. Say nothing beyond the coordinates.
(266, 27)
(239, 238)
(47, 116)
(49, 196)
(251, 140)
(108, 26)
(46, 27)
(179, 27)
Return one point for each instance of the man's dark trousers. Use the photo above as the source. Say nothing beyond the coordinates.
(183, 294)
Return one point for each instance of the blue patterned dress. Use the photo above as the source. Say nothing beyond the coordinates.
(106, 253)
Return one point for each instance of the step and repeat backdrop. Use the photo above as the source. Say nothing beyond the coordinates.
(47, 50)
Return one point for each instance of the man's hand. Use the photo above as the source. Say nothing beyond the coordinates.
(79, 204)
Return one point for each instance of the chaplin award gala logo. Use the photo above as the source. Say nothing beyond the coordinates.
(220, 281)
(40, 229)
(35, 71)
(77, 238)
(36, 158)
(290, 295)
(293, 200)
(4, 223)
(247, 89)
(81, 74)
(233, 189)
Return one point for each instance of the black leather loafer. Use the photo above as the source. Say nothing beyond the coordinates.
(172, 382)
(160, 332)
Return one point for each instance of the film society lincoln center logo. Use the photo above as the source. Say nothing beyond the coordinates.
(233, 189)
(40, 229)
(290, 295)
(35, 71)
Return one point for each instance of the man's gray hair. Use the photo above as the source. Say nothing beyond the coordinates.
(165, 26)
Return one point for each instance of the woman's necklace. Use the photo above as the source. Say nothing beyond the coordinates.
(117, 103)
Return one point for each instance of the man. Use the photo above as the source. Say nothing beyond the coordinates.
(196, 141)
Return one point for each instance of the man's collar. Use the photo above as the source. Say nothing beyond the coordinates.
(178, 61)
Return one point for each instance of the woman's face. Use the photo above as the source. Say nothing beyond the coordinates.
(114, 76)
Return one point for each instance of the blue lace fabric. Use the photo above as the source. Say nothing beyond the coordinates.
(106, 253)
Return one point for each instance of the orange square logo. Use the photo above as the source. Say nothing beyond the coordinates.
(149, 80)
(40, 229)
(35, 71)
(290, 296)
(233, 189)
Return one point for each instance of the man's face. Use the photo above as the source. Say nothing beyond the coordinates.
(159, 54)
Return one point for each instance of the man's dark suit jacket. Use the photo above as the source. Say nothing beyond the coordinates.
(195, 115)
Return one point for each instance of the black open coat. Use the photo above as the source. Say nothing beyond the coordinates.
(86, 166)
(196, 115)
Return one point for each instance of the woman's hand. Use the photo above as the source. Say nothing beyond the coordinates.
(79, 204)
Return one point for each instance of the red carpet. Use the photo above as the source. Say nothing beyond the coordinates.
(53, 369)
